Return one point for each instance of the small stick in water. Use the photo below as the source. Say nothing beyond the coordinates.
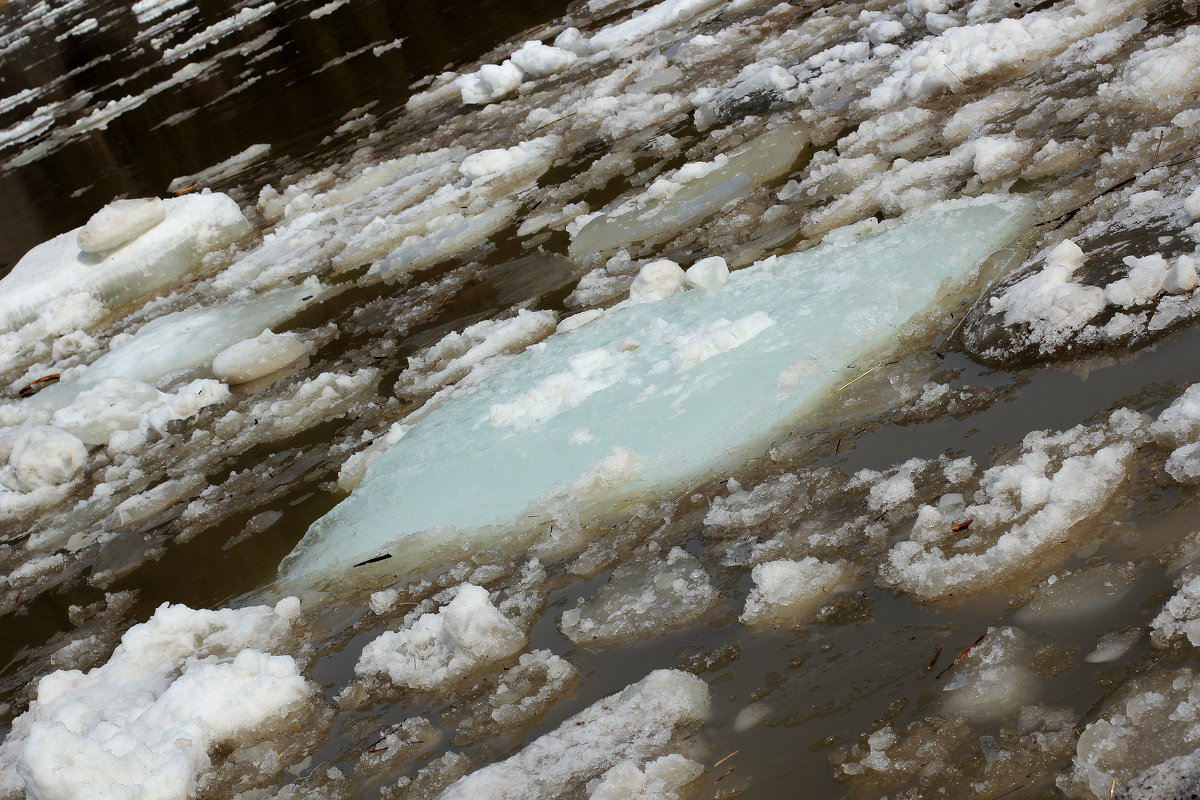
(962, 655)
(934, 660)
(726, 758)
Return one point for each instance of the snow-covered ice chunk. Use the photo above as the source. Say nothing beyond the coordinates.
(786, 592)
(179, 341)
(1008, 47)
(636, 724)
(1024, 511)
(45, 456)
(191, 227)
(663, 15)
(656, 281)
(510, 439)
(469, 632)
(539, 60)
(644, 597)
(490, 82)
(142, 725)
(251, 359)
(488, 163)
(665, 778)
(113, 404)
(710, 274)
(119, 222)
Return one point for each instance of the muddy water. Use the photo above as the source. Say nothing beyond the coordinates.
(816, 690)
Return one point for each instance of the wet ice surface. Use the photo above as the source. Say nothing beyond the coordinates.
(959, 561)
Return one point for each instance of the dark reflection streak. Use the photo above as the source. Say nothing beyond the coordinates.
(293, 106)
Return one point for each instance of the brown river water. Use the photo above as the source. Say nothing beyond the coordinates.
(790, 706)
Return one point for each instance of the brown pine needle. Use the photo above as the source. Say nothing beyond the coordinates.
(856, 380)
(726, 775)
(726, 758)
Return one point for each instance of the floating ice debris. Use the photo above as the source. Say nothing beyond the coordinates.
(222, 170)
(665, 778)
(1007, 48)
(539, 60)
(656, 281)
(636, 724)
(251, 359)
(179, 341)
(1180, 617)
(444, 646)
(1113, 645)
(1025, 511)
(786, 592)
(1073, 596)
(1178, 426)
(993, 680)
(119, 222)
(1149, 720)
(517, 424)
(219, 30)
(490, 82)
(692, 193)
(646, 596)
(710, 274)
(523, 694)
(142, 725)
(663, 15)
(58, 277)
(44, 456)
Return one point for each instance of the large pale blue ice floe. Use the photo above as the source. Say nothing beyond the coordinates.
(649, 397)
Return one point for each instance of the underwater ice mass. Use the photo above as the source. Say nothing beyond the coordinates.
(651, 395)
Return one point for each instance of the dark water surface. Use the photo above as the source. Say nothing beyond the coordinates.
(291, 93)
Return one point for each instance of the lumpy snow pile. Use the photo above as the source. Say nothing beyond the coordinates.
(143, 725)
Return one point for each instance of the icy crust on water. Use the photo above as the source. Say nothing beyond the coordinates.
(645, 596)
(143, 725)
(692, 193)
(1022, 512)
(589, 405)
(637, 724)
(1151, 721)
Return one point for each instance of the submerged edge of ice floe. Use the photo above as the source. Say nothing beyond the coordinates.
(650, 396)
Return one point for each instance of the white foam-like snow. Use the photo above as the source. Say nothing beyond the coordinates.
(469, 632)
(141, 726)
